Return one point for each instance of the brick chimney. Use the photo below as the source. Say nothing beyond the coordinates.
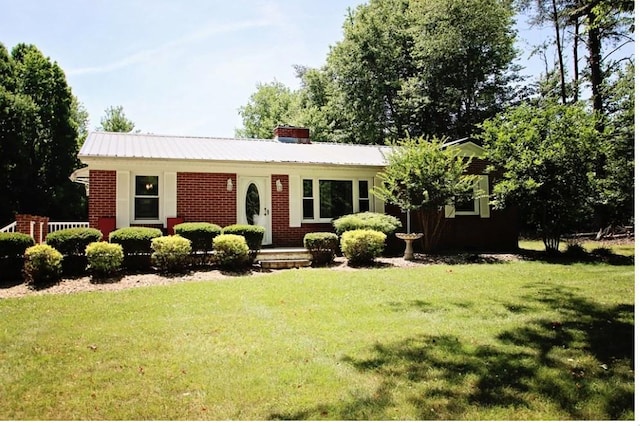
(290, 134)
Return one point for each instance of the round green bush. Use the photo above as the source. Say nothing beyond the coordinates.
(73, 241)
(362, 246)
(136, 245)
(104, 259)
(42, 264)
(134, 239)
(14, 244)
(252, 234)
(367, 220)
(322, 246)
(201, 234)
(171, 253)
(231, 252)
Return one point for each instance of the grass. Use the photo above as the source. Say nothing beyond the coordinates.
(626, 249)
(513, 341)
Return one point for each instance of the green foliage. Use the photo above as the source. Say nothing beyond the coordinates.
(12, 247)
(201, 234)
(73, 241)
(135, 239)
(575, 250)
(42, 265)
(367, 220)
(548, 157)
(171, 253)
(253, 234)
(115, 120)
(272, 104)
(104, 258)
(323, 246)
(362, 246)
(38, 137)
(423, 176)
(231, 252)
(13, 244)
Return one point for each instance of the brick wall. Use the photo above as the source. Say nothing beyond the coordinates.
(203, 197)
(102, 195)
(40, 226)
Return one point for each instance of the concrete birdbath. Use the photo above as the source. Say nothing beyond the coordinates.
(408, 240)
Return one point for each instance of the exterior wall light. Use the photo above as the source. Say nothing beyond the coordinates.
(229, 185)
(278, 185)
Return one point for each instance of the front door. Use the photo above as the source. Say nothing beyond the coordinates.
(254, 203)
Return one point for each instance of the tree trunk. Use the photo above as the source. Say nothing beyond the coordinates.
(432, 222)
(556, 23)
(576, 69)
(594, 45)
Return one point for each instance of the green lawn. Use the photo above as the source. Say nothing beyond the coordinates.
(513, 341)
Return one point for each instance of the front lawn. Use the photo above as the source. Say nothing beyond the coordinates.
(513, 341)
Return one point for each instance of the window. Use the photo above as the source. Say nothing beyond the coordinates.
(147, 199)
(363, 196)
(336, 198)
(326, 199)
(467, 204)
(307, 199)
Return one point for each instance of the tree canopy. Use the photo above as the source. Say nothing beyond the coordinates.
(38, 137)
(115, 120)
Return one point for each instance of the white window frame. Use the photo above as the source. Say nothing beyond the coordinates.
(476, 201)
(134, 196)
(481, 201)
(355, 196)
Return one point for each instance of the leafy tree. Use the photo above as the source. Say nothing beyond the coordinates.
(423, 176)
(272, 104)
(80, 117)
(115, 120)
(422, 68)
(38, 137)
(548, 156)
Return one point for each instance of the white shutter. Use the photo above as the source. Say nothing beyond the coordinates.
(123, 199)
(295, 201)
(449, 211)
(170, 195)
(483, 184)
(378, 203)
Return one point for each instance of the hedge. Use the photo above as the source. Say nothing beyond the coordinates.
(73, 241)
(201, 234)
(384, 223)
(362, 246)
(322, 246)
(12, 247)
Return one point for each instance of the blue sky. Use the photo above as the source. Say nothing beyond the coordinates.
(180, 67)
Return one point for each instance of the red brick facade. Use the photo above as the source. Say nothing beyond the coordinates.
(203, 197)
(102, 196)
(24, 223)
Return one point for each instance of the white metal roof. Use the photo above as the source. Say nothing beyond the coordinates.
(149, 146)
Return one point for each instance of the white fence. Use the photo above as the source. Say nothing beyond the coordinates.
(57, 226)
(10, 227)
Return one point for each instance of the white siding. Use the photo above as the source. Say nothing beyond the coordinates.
(123, 199)
(170, 195)
(295, 203)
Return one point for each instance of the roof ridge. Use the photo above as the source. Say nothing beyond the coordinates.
(161, 135)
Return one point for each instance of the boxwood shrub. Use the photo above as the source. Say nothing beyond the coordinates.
(12, 247)
(252, 234)
(42, 265)
(322, 246)
(71, 243)
(362, 246)
(231, 252)
(136, 245)
(171, 253)
(104, 259)
(201, 234)
(367, 220)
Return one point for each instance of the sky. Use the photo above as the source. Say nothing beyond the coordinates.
(182, 67)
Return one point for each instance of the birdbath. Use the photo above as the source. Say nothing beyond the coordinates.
(408, 240)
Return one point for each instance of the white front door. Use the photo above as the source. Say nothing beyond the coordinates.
(254, 203)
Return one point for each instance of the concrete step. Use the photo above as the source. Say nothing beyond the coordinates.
(283, 258)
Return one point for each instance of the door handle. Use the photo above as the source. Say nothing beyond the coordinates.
(266, 211)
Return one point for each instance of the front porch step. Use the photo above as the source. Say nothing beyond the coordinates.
(283, 258)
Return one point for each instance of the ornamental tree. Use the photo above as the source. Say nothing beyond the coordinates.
(548, 153)
(423, 176)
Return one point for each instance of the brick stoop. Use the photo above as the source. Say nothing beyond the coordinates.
(283, 258)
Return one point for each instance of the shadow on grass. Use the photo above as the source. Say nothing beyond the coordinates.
(569, 258)
(575, 363)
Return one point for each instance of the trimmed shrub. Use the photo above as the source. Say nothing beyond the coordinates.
(201, 234)
(73, 241)
(42, 265)
(231, 252)
(362, 246)
(575, 250)
(367, 220)
(12, 247)
(252, 234)
(104, 258)
(171, 253)
(323, 246)
(136, 245)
